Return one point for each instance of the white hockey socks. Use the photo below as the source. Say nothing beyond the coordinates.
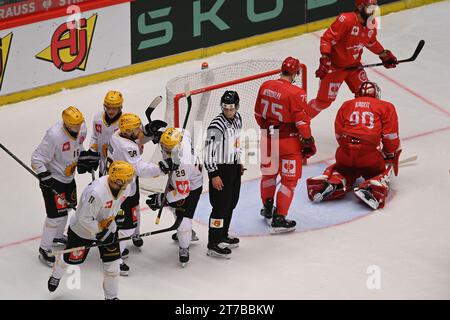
(184, 233)
(61, 227)
(111, 273)
(50, 228)
(60, 267)
(123, 233)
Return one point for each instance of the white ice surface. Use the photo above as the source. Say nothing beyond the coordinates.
(409, 240)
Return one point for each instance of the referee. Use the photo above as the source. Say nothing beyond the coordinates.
(222, 161)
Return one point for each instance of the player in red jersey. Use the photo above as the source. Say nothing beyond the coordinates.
(285, 140)
(341, 47)
(361, 125)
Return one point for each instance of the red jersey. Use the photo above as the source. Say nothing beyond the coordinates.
(282, 104)
(370, 120)
(345, 39)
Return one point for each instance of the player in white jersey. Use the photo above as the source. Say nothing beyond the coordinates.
(95, 221)
(123, 146)
(55, 161)
(105, 123)
(186, 185)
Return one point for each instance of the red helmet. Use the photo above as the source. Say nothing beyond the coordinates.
(369, 89)
(291, 66)
(365, 2)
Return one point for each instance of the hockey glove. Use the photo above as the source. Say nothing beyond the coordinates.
(87, 161)
(388, 59)
(108, 235)
(308, 147)
(46, 181)
(168, 165)
(324, 67)
(391, 160)
(154, 130)
(154, 201)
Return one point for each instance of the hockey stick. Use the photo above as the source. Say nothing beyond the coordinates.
(150, 189)
(407, 160)
(166, 190)
(100, 244)
(419, 48)
(152, 106)
(31, 171)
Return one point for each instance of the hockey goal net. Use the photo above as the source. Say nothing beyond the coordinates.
(207, 87)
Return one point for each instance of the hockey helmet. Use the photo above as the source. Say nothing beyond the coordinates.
(121, 172)
(291, 66)
(365, 2)
(170, 138)
(72, 116)
(113, 99)
(230, 100)
(369, 89)
(128, 122)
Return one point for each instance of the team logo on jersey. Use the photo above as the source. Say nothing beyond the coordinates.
(183, 187)
(77, 255)
(5, 44)
(363, 76)
(333, 90)
(288, 168)
(66, 146)
(133, 215)
(355, 31)
(108, 205)
(216, 223)
(98, 128)
(60, 201)
(70, 46)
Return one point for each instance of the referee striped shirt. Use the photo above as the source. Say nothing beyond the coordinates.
(222, 144)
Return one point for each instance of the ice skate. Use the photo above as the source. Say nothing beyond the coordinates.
(281, 225)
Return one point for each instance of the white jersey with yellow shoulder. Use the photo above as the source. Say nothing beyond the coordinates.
(125, 149)
(189, 174)
(58, 152)
(97, 208)
(101, 133)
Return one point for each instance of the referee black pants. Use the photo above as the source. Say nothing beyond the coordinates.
(223, 202)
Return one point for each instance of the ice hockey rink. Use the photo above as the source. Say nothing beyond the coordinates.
(338, 247)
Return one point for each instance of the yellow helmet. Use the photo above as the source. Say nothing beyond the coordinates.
(113, 99)
(72, 116)
(128, 122)
(170, 138)
(121, 172)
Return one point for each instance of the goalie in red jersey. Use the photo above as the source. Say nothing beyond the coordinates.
(341, 47)
(361, 124)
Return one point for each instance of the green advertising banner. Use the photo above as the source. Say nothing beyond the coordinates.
(161, 28)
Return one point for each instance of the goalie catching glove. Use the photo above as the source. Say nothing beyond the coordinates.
(88, 161)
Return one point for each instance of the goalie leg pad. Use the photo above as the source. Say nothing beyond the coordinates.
(323, 189)
(373, 193)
